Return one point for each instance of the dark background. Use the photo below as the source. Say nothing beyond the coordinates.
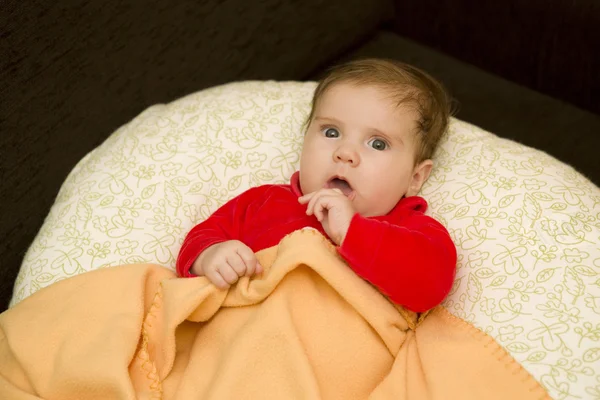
(71, 72)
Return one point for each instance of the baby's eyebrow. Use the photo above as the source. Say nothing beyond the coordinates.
(319, 118)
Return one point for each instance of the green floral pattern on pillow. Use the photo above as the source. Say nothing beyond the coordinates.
(526, 226)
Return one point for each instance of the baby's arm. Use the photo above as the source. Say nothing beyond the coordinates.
(413, 262)
(225, 224)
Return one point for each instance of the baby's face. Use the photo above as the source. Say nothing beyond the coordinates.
(363, 144)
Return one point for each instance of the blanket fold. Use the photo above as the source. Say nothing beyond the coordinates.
(307, 328)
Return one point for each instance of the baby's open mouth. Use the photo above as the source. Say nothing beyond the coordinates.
(342, 185)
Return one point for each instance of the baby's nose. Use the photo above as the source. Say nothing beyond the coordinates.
(347, 155)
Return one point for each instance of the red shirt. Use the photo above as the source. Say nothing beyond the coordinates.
(409, 256)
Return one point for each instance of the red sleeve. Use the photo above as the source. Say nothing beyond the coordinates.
(413, 263)
(224, 224)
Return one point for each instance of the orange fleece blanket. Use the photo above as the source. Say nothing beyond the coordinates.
(308, 328)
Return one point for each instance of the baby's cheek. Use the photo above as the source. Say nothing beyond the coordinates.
(380, 203)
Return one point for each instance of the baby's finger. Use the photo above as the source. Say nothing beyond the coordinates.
(325, 202)
(259, 268)
(228, 274)
(310, 208)
(237, 263)
(249, 259)
(215, 277)
(306, 198)
(318, 210)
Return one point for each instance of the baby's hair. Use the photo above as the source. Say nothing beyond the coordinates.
(407, 85)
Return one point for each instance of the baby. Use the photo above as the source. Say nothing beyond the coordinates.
(370, 136)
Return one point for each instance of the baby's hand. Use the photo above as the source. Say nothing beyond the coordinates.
(332, 209)
(224, 263)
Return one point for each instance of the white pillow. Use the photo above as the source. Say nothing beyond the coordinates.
(527, 227)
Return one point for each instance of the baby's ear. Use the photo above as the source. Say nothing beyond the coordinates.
(420, 174)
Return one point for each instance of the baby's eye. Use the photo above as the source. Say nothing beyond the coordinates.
(331, 133)
(378, 144)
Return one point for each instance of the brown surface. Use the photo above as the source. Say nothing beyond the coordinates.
(548, 45)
